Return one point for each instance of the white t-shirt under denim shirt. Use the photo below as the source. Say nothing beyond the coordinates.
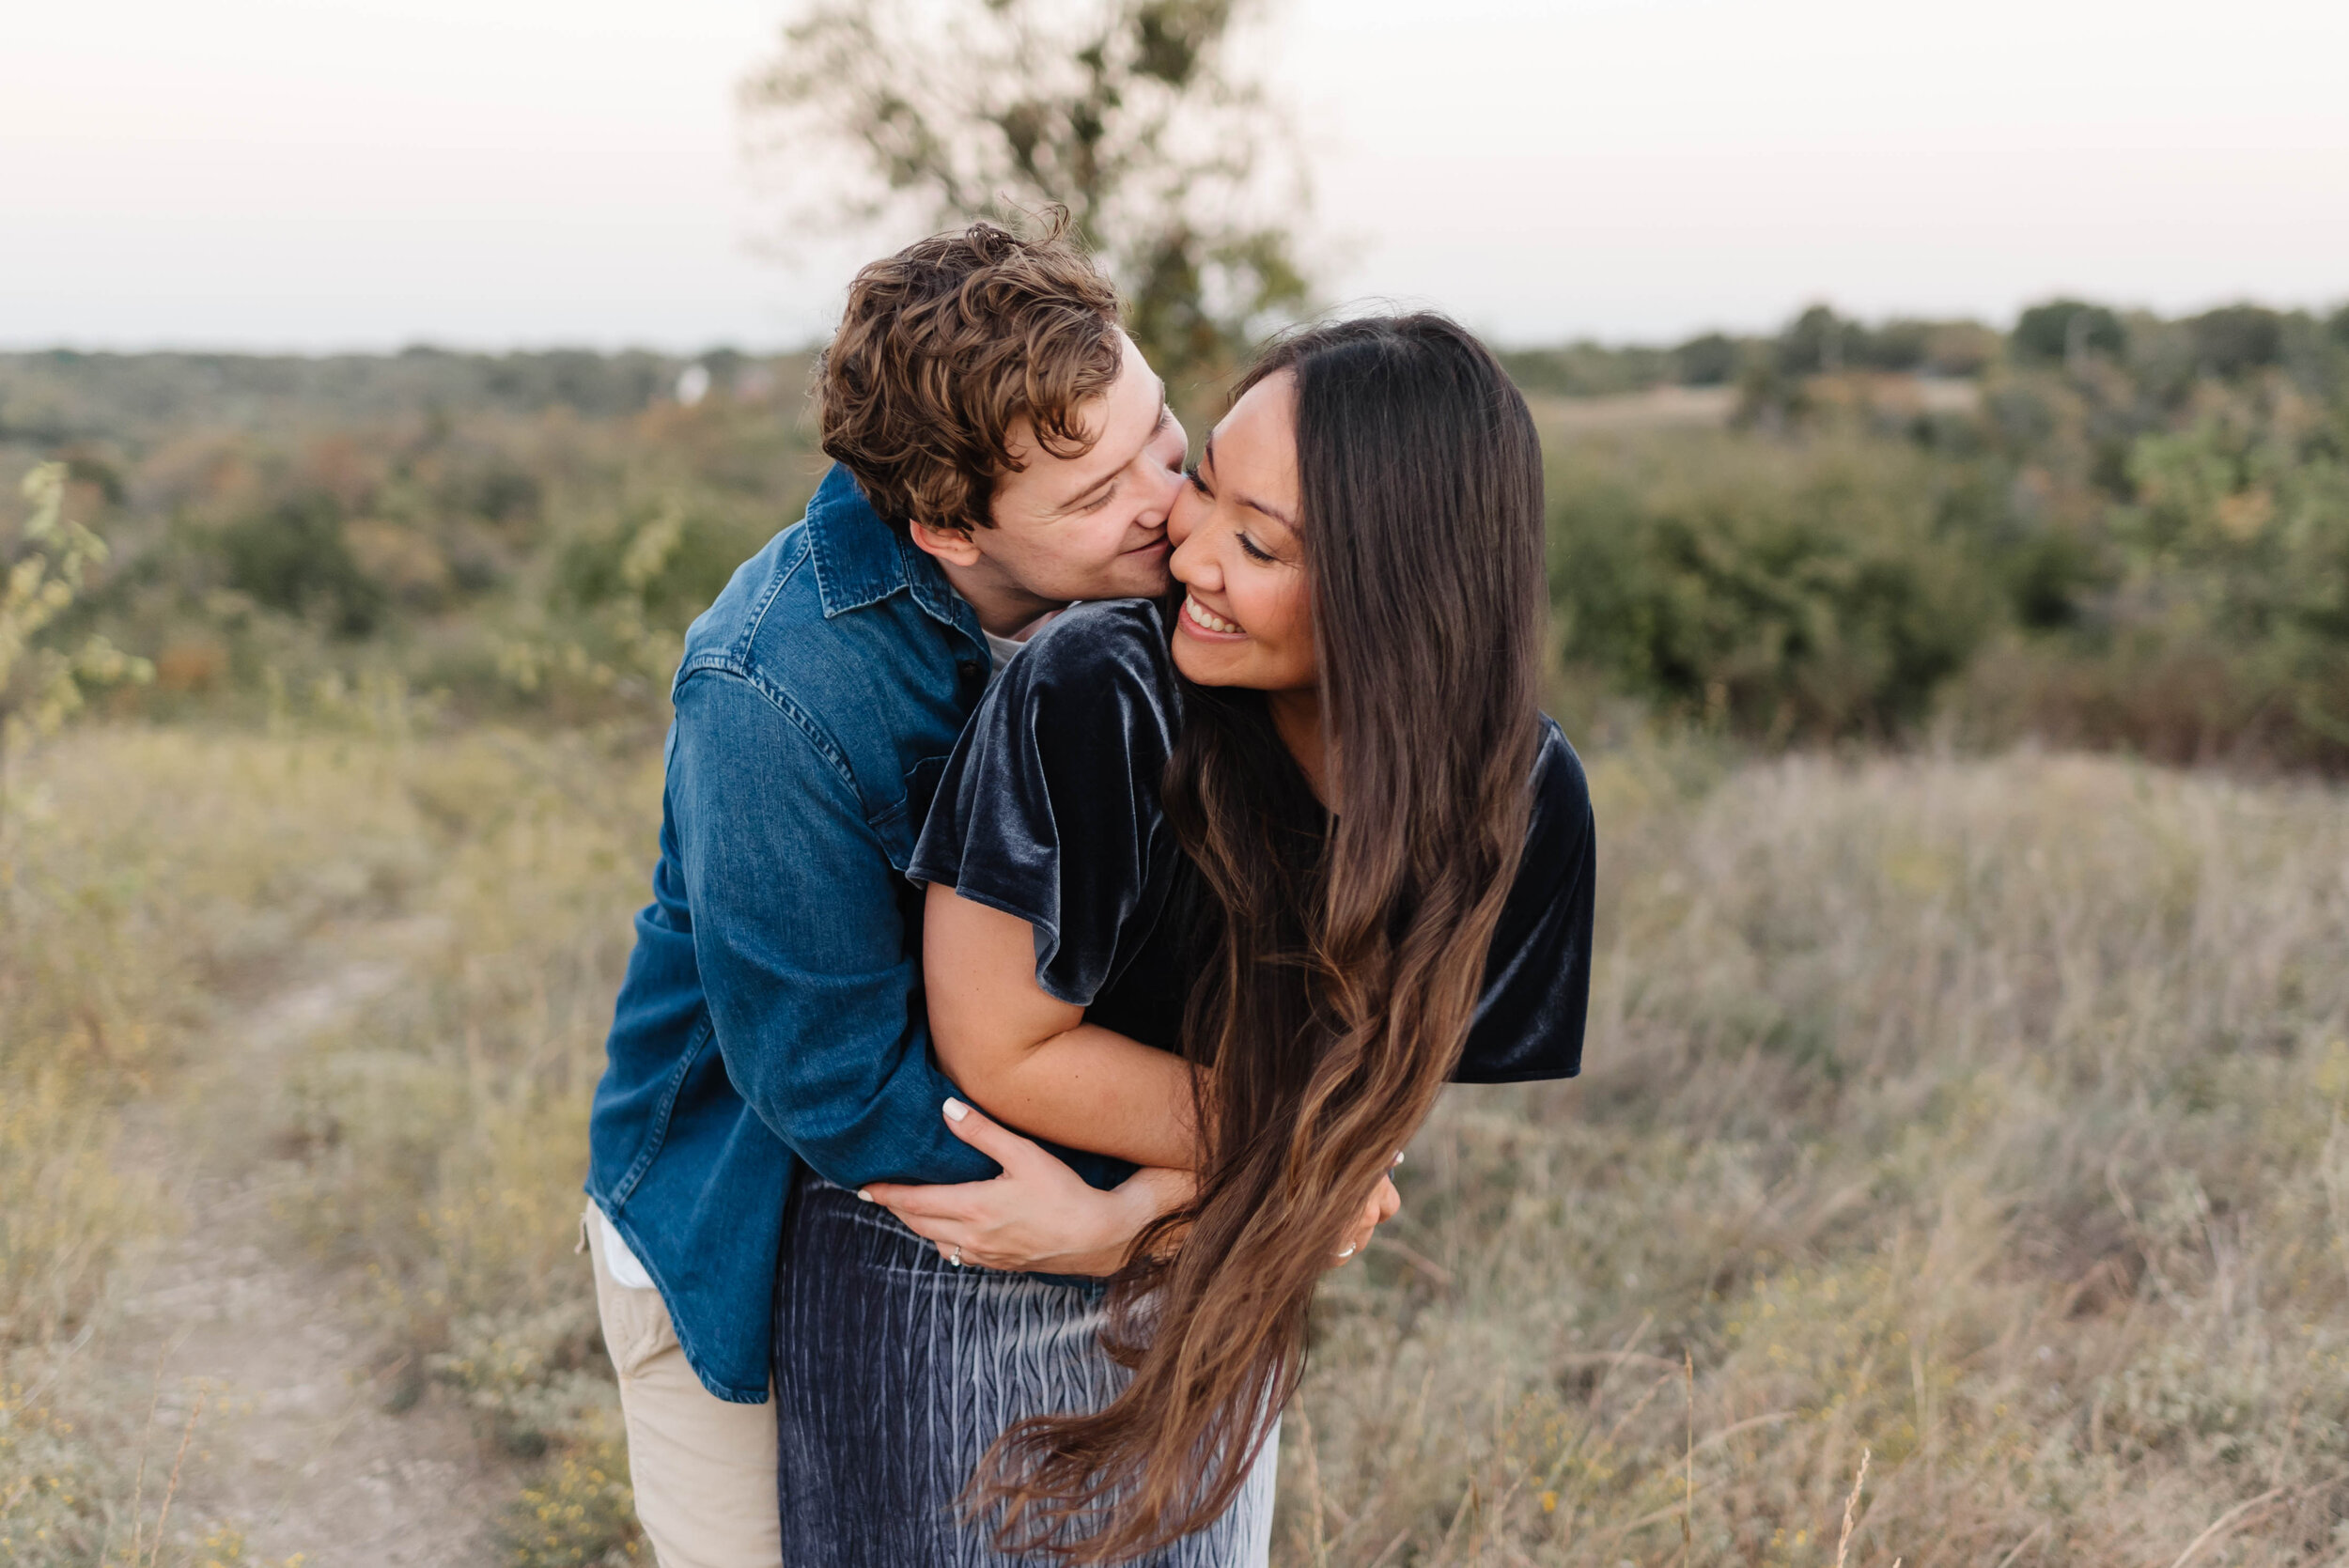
(1004, 648)
(621, 1262)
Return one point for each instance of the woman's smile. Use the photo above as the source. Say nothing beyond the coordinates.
(1200, 621)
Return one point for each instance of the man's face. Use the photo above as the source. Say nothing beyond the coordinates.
(1086, 527)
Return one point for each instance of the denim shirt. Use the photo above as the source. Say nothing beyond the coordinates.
(773, 1012)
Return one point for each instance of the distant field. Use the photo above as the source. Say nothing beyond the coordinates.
(1985, 1115)
(1670, 408)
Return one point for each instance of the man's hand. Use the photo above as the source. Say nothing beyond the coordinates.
(1038, 1217)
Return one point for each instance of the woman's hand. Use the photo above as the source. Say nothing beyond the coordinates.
(1384, 1204)
(1038, 1217)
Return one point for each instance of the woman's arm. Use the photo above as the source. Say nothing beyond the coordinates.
(1029, 1058)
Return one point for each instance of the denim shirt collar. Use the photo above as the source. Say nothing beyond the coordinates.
(861, 560)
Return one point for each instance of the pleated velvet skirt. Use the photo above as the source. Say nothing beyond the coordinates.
(893, 1372)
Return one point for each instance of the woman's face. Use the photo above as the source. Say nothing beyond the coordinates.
(1247, 617)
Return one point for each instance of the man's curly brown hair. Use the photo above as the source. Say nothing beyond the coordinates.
(949, 344)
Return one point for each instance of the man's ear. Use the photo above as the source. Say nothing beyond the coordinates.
(954, 546)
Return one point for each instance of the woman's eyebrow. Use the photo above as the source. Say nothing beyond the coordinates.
(1206, 461)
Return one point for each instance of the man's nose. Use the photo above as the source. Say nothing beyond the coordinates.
(1193, 568)
(1169, 487)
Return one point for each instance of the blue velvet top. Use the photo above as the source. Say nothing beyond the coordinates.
(1048, 810)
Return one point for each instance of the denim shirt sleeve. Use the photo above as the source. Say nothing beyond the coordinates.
(812, 986)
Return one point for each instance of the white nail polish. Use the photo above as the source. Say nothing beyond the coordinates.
(866, 1196)
(957, 1111)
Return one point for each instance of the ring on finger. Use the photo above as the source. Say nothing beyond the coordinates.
(956, 1258)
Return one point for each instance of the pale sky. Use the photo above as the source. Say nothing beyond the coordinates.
(328, 174)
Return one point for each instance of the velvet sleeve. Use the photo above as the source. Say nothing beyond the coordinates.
(1537, 978)
(1048, 810)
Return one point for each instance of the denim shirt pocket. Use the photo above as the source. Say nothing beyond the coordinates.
(897, 826)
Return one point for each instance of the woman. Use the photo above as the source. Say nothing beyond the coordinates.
(1233, 889)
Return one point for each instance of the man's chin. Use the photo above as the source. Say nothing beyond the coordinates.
(1147, 569)
(1132, 576)
(1141, 585)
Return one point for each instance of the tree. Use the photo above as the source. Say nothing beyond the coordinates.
(2066, 330)
(1710, 359)
(1131, 113)
(2235, 338)
(1815, 342)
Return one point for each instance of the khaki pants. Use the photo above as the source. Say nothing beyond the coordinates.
(703, 1467)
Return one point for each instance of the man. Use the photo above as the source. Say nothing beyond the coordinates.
(1001, 449)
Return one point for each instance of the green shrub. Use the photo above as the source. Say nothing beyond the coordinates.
(1786, 592)
(294, 558)
(2224, 628)
(668, 558)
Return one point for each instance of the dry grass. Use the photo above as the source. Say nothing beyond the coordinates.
(150, 881)
(163, 888)
(1986, 1115)
(1983, 1116)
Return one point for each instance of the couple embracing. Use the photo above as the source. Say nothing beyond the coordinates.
(1020, 1028)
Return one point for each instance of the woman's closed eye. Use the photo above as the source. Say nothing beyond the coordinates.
(1196, 477)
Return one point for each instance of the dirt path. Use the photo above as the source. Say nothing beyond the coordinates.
(299, 1445)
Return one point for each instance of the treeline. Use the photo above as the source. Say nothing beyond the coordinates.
(112, 400)
(2223, 342)
(2097, 526)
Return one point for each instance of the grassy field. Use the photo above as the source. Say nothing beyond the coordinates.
(1980, 1116)
(1984, 1117)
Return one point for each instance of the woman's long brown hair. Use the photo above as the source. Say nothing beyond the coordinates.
(1350, 948)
